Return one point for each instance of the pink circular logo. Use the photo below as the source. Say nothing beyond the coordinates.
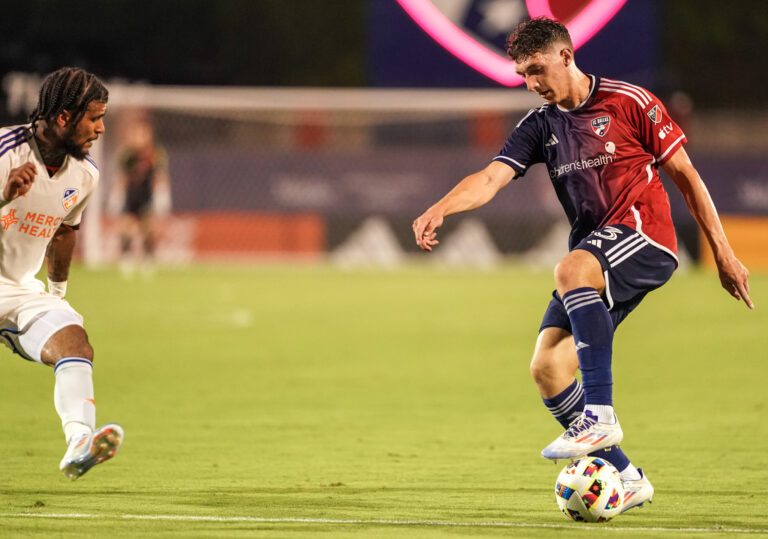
(582, 25)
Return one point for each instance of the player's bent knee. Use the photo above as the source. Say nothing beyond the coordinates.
(543, 368)
(50, 333)
(70, 341)
(579, 269)
(566, 274)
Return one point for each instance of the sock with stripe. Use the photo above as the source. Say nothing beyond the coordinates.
(592, 329)
(73, 396)
(566, 406)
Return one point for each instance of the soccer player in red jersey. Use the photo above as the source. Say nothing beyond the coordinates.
(602, 142)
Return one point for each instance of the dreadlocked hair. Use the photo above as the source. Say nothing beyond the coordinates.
(536, 35)
(70, 89)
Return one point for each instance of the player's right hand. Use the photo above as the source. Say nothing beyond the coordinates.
(424, 229)
(20, 181)
(734, 278)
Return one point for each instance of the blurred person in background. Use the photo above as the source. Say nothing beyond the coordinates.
(46, 180)
(140, 196)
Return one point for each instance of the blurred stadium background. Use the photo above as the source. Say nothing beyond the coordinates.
(298, 132)
(303, 397)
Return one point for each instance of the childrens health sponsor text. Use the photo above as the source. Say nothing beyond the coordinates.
(581, 164)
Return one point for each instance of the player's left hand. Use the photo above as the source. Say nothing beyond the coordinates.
(424, 229)
(734, 278)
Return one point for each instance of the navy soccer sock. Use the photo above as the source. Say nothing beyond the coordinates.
(566, 406)
(615, 456)
(592, 329)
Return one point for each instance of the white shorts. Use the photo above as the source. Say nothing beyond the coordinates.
(29, 316)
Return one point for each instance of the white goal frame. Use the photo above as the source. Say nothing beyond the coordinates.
(22, 90)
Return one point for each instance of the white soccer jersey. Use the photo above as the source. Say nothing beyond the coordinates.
(28, 223)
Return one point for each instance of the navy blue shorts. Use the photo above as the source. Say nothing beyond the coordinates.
(632, 267)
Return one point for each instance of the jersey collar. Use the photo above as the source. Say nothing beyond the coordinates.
(36, 152)
(592, 90)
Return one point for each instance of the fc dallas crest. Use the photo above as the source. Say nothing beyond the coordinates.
(601, 124)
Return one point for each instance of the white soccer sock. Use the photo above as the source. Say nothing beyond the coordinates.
(630, 473)
(603, 412)
(73, 396)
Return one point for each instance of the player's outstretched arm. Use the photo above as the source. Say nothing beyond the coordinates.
(472, 192)
(20, 181)
(733, 274)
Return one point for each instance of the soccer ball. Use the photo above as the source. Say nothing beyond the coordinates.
(589, 490)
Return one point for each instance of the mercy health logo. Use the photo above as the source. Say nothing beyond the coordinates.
(70, 198)
(466, 27)
(9, 219)
(582, 164)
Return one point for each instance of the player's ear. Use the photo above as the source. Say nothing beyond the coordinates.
(63, 118)
(566, 55)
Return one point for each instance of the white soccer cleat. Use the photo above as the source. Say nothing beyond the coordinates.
(637, 492)
(86, 451)
(585, 435)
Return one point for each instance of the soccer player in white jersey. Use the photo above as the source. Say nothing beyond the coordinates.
(46, 179)
(603, 142)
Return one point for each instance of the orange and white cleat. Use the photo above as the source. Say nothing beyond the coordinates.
(87, 451)
(637, 492)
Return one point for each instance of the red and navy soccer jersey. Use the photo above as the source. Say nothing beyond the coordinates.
(603, 158)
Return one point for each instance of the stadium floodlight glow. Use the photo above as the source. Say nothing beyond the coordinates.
(582, 27)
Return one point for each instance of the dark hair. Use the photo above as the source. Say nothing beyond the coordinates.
(70, 89)
(536, 35)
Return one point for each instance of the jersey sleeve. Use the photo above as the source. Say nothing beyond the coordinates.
(523, 147)
(75, 215)
(7, 142)
(657, 132)
(5, 170)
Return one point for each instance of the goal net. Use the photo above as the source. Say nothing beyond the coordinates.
(318, 174)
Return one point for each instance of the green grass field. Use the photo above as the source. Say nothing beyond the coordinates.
(296, 401)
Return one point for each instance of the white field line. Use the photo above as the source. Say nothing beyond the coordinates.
(377, 522)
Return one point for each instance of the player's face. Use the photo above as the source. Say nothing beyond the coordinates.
(546, 74)
(79, 138)
(141, 135)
